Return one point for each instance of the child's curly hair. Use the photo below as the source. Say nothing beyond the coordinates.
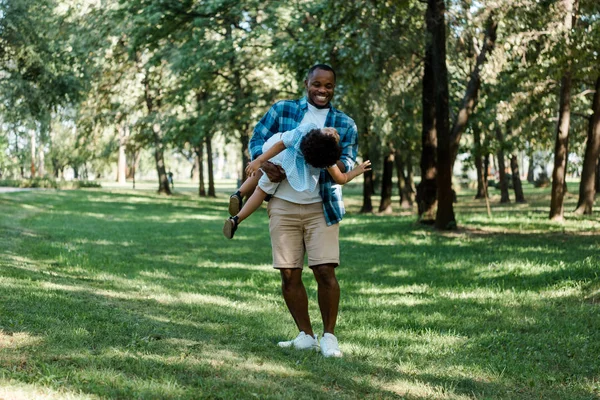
(320, 149)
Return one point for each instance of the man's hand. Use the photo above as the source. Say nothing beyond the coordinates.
(274, 172)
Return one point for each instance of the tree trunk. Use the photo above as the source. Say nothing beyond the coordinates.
(200, 165)
(561, 146)
(427, 187)
(516, 178)
(159, 158)
(436, 24)
(598, 175)
(42, 162)
(471, 94)
(587, 188)
(477, 154)
(405, 180)
(122, 160)
(367, 205)
(244, 139)
(195, 169)
(560, 151)
(530, 167)
(368, 182)
(385, 205)
(409, 187)
(209, 163)
(32, 167)
(504, 197)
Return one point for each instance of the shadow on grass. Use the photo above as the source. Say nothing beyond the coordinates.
(145, 298)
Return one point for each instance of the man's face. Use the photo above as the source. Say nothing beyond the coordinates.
(320, 86)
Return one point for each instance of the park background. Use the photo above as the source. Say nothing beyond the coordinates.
(469, 254)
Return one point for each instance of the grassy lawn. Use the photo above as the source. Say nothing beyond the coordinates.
(116, 293)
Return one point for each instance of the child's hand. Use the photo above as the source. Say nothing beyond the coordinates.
(252, 167)
(364, 167)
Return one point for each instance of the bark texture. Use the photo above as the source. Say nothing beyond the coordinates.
(385, 205)
(561, 146)
(587, 185)
(427, 188)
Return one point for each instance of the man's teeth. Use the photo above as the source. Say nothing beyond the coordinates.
(321, 98)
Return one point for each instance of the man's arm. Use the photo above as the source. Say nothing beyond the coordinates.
(265, 128)
(349, 145)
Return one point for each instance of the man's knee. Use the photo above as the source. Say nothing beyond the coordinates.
(325, 275)
(291, 278)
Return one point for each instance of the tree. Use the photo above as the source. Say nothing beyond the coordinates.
(587, 185)
(564, 115)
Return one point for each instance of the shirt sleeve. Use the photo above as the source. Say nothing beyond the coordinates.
(265, 128)
(349, 145)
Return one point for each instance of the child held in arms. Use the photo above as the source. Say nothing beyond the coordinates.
(302, 153)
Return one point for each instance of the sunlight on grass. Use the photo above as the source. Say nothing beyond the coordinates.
(130, 294)
(420, 390)
(17, 339)
(407, 289)
(150, 292)
(13, 390)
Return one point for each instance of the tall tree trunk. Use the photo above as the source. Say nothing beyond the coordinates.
(530, 167)
(200, 165)
(471, 94)
(561, 146)
(195, 169)
(486, 171)
(385, 205)
(122, 159)
(587, 189)
(245, 139)
(409, 179)
(42, 162)
(209, 164)
(405, 180)
(159, 158)
(444, 218)
(33, 152)
(368, 182)
(427, 187)
(367, 204)
(504, 197)
(598, 176)
(477, 153)
(516, 178)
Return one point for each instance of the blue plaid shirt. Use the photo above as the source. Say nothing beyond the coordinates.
(286, 115)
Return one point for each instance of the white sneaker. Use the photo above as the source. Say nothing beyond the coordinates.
(302, 342)
(329, 346)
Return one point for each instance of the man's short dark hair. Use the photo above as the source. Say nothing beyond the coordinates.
(320, 150)
(324, 67)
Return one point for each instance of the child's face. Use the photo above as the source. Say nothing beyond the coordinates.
(331, 132)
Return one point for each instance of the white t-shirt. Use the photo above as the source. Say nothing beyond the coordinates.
(285, 191)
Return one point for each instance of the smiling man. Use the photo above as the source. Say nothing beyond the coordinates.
(308, 222)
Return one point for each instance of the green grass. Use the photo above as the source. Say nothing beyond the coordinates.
(115, 293)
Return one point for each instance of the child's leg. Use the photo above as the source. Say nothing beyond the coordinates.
(250, 184)
(252, 204)
(237, 199)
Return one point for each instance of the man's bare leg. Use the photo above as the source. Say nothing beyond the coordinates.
(294, 294)
(328, 290)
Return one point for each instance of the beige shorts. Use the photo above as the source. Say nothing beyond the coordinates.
(298, 229)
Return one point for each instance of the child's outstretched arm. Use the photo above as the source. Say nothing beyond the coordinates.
(342, 178)
(253, 166)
